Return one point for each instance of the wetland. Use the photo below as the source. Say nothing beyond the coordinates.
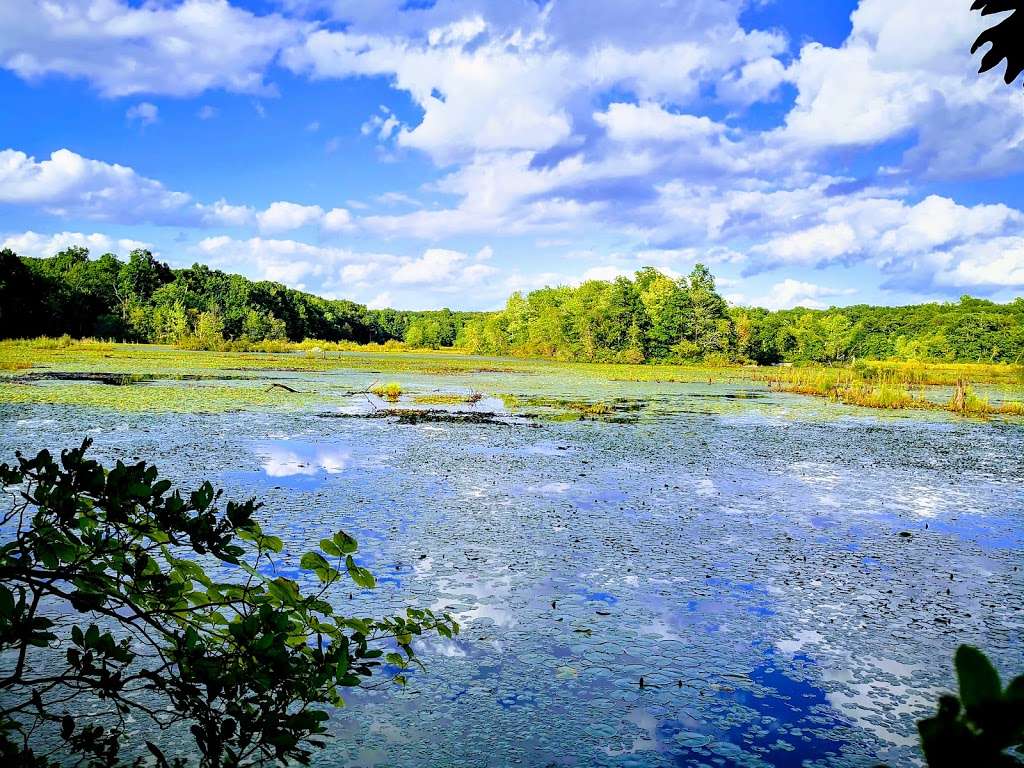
(789, 575)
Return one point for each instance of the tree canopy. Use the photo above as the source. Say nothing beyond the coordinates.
(647, 317)
(144, 300)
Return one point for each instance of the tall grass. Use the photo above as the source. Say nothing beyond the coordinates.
(390, 391)
(890, 386)
(62, 342)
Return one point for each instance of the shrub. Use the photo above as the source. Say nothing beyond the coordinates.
(148, 606)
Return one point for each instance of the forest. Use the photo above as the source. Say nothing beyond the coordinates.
(144, 300)
(650, 317)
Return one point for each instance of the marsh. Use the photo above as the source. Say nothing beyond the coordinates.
(789, 575)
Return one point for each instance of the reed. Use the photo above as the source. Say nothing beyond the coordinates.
(390, 391)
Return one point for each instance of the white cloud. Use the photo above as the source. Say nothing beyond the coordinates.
(337, 220)
(443, 270)
(222, 212)
(753, 82)
(381, 301)
(122, 48)
(906, 69)
(436, 265)
(791, 293)
(144, 112)
(43, 246)
(487, 86)
(206, 112)
(816, 245)
(283, 216)
(996, 263)
(69, 184)
(294, 263)
(647, 121)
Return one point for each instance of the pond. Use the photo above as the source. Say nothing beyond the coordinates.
(788, 577)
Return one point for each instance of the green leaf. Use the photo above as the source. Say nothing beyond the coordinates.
(360, 576)
(273, 543)
(315, 562)
(345, 543)
(6, 602)
(1015, 689)
(978, 679)
(330, 548)
(284, 590)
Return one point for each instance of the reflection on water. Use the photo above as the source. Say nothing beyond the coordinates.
(745, 560)
(286, 460)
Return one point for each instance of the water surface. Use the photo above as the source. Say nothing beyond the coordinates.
(744, 552)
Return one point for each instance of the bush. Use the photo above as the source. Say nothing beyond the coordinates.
(146, 605)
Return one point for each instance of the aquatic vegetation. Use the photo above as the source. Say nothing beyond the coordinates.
(64, 342)
(966, 402)
(430, 416)
(866, 384)
(889, 386)
(446, 399)
(153, 398)
(391, 391)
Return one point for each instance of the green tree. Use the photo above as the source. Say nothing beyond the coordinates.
(712, 325)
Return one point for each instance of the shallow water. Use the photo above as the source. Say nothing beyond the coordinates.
(738, 549)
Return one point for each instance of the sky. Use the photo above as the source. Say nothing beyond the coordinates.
(427, 153)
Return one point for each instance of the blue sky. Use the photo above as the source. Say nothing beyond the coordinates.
(423, 154)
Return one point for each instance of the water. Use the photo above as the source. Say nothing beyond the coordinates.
(741, 551)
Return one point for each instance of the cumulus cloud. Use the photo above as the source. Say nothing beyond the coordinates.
(283, 216)
(291, 262)
(998, 263)
(906, 68)
(511, 80)
(42, 246)
(68, 184)
(791, 293)
(436, 265)
(337, 220)
(651, 122)
(124, 48)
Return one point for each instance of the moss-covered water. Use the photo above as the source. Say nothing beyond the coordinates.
(789, 576)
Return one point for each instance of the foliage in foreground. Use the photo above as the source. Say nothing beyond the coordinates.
(124, 599)
(983, 726)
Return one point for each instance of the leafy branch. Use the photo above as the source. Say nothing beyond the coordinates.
(124, 598)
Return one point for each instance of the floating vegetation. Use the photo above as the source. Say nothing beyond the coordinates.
(968, 403)
(390, 391)
(432, 416)
(582, 408)
(143, 398)
(448, 399)
(122, 379)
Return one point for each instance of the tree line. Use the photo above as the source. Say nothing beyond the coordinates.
(649, 317)
(144, 300)
(653, 317)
